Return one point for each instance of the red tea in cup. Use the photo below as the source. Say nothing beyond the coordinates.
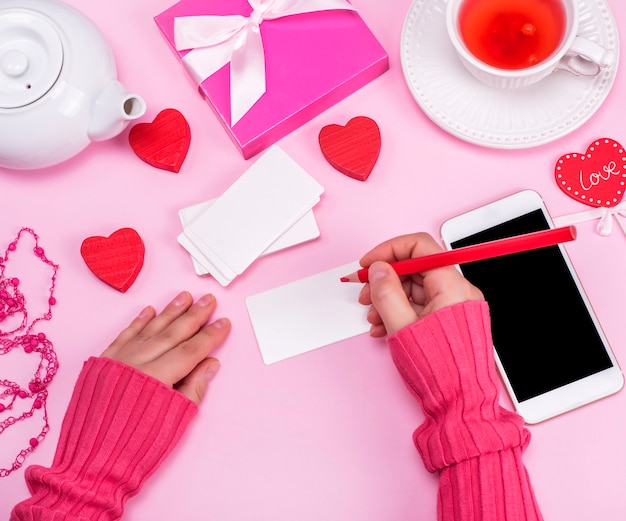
(512, 34)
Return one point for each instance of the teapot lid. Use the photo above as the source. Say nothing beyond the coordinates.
(31, 57)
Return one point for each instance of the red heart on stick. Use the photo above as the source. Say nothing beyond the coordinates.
(164, 142)
(115, 260)
(353, 149)
(595, 178)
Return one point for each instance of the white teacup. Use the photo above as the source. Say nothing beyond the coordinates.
(574, 53)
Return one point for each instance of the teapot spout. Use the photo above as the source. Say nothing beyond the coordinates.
(113, 110)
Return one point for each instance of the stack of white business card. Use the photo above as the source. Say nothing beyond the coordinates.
(267, 209)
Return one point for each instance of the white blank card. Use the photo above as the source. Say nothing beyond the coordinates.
(307, 314)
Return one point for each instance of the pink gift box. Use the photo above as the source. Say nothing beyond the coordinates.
(312, 61)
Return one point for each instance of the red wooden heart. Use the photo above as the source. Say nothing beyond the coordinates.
(353, 149)
(164, 142)
(595, 178)
(117, 259)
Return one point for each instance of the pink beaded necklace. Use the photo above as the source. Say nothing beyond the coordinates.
(23, 336)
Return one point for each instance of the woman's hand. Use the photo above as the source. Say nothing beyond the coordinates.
(397, 302)
(174, 345)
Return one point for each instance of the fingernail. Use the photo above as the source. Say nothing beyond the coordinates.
(180, 299)
(205, 300)
(145, 312)
(211, 370)
(376, 272)
(222, 322)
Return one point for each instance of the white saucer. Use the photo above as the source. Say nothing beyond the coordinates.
(493, 117)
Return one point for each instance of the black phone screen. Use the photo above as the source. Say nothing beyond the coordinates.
(542, 331)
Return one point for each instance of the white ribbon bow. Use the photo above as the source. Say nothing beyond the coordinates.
(216, 40)
(605, 214)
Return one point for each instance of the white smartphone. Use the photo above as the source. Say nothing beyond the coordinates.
(550, 348)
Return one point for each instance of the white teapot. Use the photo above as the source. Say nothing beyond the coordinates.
(58, 86)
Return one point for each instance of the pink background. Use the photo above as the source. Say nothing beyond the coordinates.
(326, 435)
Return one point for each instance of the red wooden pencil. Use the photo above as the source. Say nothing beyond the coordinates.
(486, 250)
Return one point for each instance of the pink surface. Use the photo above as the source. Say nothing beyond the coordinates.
(326, 435)
(312, 61)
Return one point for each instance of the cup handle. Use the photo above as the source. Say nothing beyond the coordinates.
(586, 58)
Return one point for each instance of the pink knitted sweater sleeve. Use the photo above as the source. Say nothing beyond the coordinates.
(120, 425)
(447, 362)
